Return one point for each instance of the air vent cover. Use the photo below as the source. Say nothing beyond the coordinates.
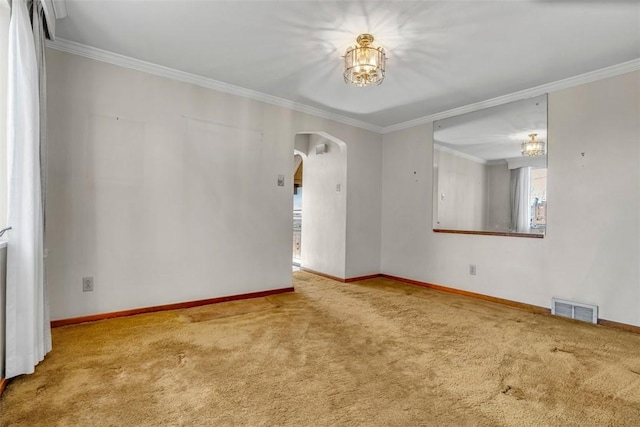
(574, 310)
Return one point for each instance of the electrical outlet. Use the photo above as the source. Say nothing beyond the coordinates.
(87, 284)
(472, 269)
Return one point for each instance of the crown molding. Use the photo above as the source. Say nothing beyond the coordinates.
(162, 71)
(612, 71)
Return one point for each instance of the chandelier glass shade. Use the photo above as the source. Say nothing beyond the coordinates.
(533, 147)
(364, 64)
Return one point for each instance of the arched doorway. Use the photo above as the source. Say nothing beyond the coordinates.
(298, 183)
(323, 200)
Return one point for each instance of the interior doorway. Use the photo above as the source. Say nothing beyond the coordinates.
(319, 203)
(297, 211)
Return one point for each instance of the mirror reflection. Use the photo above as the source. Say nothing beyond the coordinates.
(490, 170)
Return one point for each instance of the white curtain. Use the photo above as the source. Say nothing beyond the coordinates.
(28, 334)
(520, 209)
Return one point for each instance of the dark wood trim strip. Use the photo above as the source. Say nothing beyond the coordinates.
(338, 279)
(515, 304)
(510, 303)
(3, 385)
(490, 233)
(618, 325)
(328, 276)
(359, 278)
(176, 306)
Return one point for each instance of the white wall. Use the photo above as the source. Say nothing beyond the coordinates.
(462, 192)
(498, 216)
(364, 182)
(146, 196)
(324, 208)
(591, 252)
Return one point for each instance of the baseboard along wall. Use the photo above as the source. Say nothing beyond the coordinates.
(522, 306)
(318, 273)
(510, 303)
(340, 279)
(177, 306)
(515, 304)
(3, 385)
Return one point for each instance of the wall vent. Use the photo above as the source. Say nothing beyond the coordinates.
(574, 310)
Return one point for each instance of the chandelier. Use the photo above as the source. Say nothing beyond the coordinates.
(532, 147)
(364, 64)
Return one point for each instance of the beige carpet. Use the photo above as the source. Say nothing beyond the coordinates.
(374, 353)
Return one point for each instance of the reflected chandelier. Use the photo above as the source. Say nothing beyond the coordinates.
(533, 147)
(364, 64)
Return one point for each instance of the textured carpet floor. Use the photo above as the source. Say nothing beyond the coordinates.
(373, 353)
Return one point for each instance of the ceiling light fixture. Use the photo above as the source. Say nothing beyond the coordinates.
(364, 64)
(533, 147)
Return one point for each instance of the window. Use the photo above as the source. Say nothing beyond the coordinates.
(538, 198)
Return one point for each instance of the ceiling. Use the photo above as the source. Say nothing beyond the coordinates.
(441, 54)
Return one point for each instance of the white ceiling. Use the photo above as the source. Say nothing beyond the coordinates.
(441, 54)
